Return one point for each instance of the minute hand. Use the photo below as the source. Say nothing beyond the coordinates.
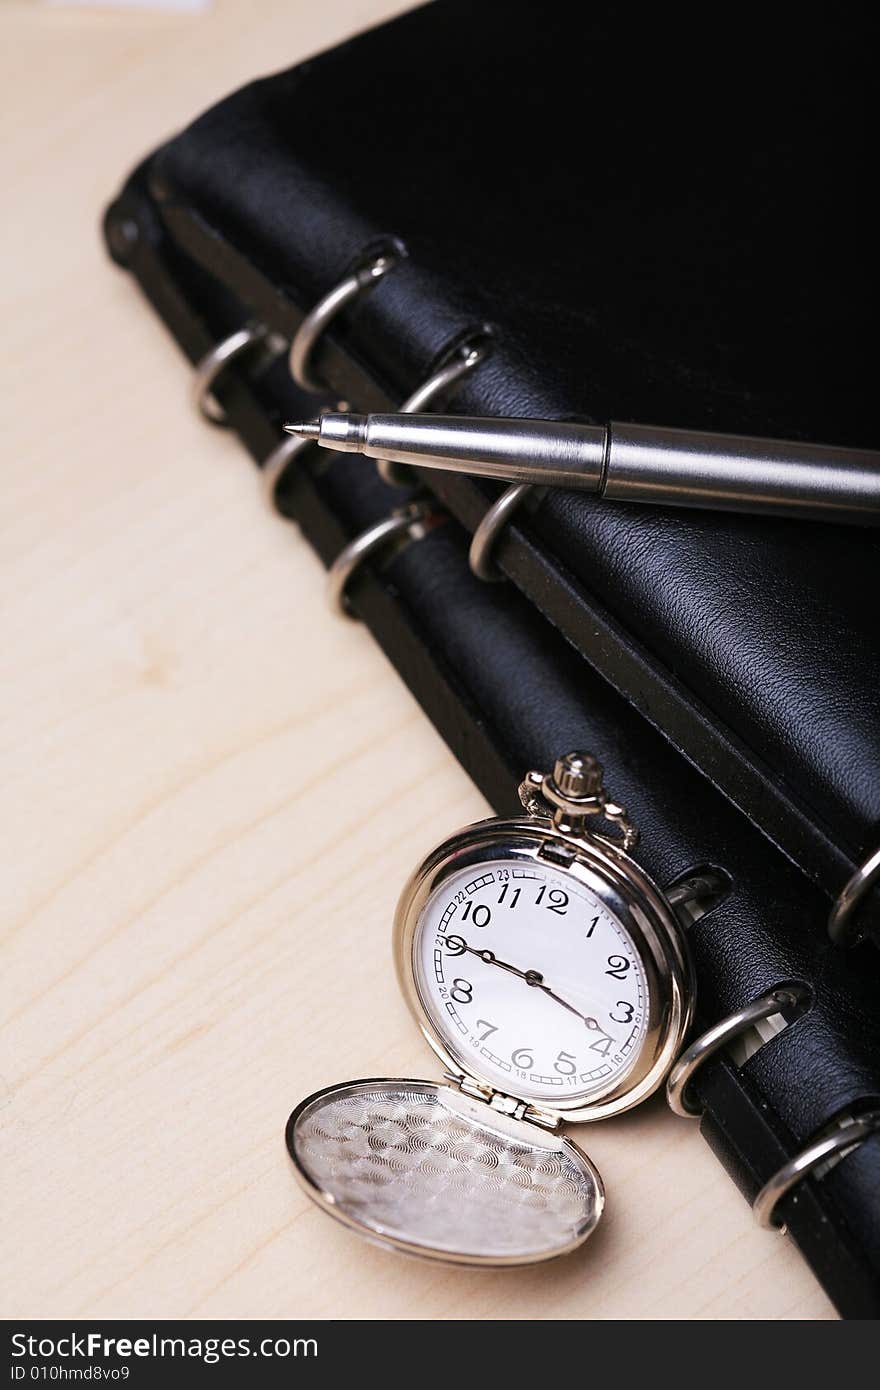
(533, 978)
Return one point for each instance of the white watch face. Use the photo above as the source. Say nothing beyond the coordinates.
(531, 981)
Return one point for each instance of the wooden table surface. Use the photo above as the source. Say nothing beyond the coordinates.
(212, 792)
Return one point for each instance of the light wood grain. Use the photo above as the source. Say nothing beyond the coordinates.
(212, 792)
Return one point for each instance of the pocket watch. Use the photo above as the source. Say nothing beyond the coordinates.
(550, 976)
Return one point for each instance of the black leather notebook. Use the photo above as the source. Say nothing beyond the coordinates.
(660, 226)
(631, 229)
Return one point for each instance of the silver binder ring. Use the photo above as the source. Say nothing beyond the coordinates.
(274, 466)
(413, 521)
(325, 311)
(486, 534)
(841, 928)
(438, 384)
(720, 1036)
(215, 362)
(824, 1153)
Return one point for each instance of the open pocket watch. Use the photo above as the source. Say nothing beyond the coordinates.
(550, 976)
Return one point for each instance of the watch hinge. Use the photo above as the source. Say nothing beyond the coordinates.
(469, 1087)
(542, 1118)
(505, 1105)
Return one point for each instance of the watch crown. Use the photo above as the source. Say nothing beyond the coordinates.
(578, 776)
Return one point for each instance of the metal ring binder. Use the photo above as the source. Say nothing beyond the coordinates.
(825, 1152)
(215, 362)
(275, 464)
(442, 380)
(486, 534)
(325, 311)
(688, 890)
(841, 928)
(414, 521)
(718, 1036)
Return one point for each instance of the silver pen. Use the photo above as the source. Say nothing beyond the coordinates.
(626, 463)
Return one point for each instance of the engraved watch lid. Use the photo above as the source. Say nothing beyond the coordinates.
(420, 1167)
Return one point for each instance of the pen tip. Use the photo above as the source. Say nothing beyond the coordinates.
(307, 429)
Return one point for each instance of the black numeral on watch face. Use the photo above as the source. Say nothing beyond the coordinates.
(556, 900)
(481, 915)
(462, 991)
(626, 1009)
(619, 966)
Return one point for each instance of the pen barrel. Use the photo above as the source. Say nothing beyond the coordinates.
(689, 468)
(550, 452)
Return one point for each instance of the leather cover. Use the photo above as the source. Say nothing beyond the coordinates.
(261, 206)
(661, 224)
